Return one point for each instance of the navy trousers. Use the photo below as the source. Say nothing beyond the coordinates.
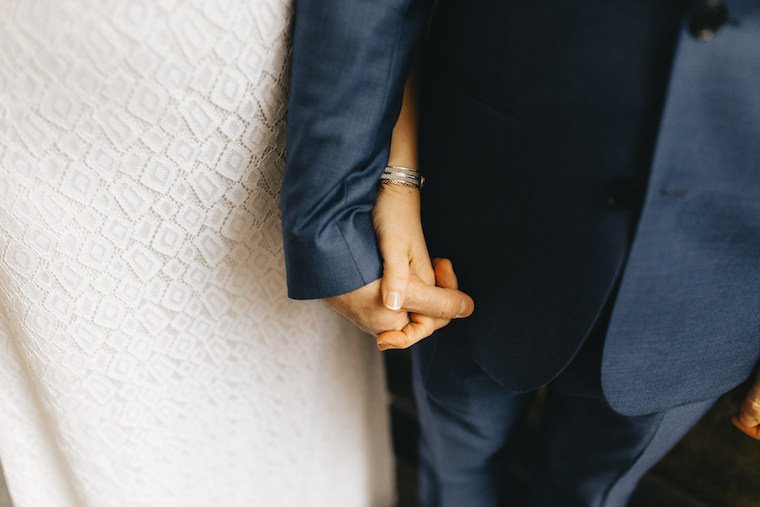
(591, 456)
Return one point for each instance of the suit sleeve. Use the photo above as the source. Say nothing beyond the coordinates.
(350, 59)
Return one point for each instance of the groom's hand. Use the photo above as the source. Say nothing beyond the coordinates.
(365, 308)
(748, 419)
(423, 325)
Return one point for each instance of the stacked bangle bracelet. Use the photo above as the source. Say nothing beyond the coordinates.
(397, 175)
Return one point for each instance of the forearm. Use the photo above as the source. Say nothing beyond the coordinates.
(404, 140)
(350, 60)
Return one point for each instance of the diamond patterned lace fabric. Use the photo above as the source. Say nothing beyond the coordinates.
(149, 355)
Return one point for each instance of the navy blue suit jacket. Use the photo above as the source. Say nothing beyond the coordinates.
(569, 146)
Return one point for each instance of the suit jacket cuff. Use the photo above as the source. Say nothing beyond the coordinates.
(342, 258)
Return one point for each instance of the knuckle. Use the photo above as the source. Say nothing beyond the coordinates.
(390, 320)
(448, 308)
(384, 323)
(406, 342)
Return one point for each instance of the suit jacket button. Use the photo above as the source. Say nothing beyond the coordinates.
(707, 19)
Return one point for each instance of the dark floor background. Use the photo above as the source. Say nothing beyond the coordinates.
(715, 465)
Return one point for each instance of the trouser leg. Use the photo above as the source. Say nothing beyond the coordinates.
(467, 423)
(594, 457)
(591, 455)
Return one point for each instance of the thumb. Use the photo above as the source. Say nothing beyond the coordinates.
(395, 279)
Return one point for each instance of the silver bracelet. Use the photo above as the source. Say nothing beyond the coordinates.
(397, 175)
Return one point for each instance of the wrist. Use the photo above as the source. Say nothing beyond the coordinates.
(398, 200)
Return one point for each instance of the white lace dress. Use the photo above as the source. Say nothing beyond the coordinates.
(149, 355)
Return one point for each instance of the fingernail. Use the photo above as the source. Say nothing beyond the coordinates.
(393, 300)
(462, 307)
(383, 345)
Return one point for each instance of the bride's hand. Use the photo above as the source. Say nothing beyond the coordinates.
(405, 256)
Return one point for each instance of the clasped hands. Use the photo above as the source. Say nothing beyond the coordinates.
(415, 296)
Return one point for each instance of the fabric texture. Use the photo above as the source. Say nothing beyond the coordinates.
(149, 355)
(686, 324)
